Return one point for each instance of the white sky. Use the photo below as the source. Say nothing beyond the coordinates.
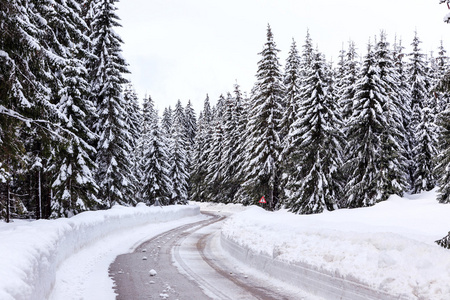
(184, 49)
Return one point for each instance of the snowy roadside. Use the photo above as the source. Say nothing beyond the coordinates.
(389, 247)
(36, 255)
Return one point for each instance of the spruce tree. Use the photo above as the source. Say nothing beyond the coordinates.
(365, 127)
(316, 146)
(203, 140)
(215, 176)
(442, 65)
(422, 123)
(133, 118)
(291, 101)
(393, 161)
(425, 152)
(235, 145)
(167, 121)
(178, 157)
(262, 173)
(443, 158)
(115, 175)
(346, 85)
(74, 185)
(157, 185)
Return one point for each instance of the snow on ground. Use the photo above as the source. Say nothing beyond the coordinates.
(73, 255)
(219, 207)
(389, 246)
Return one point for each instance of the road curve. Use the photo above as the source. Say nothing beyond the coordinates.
(189, 265)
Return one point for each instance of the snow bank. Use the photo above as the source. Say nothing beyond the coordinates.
(388, 247)
(220, 207)
(32, 251)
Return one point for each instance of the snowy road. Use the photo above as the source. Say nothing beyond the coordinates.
(189, 264)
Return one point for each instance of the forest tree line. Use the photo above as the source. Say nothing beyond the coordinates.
(309, 137)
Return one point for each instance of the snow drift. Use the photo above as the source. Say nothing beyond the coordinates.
(388, 247)
(32, 251)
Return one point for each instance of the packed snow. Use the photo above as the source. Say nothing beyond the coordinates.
(37, 256)
(389, 247)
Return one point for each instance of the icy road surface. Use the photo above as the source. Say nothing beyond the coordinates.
(187, 263)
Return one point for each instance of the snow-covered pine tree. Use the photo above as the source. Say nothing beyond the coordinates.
(133, 118)
(393, 162)
(442, 65)
(201, 153)
(307, 54)
(346, 86)
(419, 93)
(178, 157)
(215, 176)
(19, 49)
(365, 127)
(115, 175)
(157, 185)
(190, 120)
(74, 187)
(316, 146)
(443, 121)
(167, 121)
(443, 159)
(262, 172)
(207, 111)
(339, 74)
(425, 152)
(72, 169)
(60, 28)
(236, 143)
(190, 123)
(292, 100)
(148, 118)
(405, 98)
(419, 84)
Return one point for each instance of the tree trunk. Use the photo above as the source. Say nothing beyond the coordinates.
(7, 202)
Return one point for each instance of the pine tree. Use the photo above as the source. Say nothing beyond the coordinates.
(425, 152)
(190, 123)
(178, 157)
(262, 172)
(133, 118)
(115, 175)
(366, 125)
(207, 112)
(18, 50)
(191, 130)
(291, 101)
(442, 65)
(215, 176)
(393, 162)
(421, 171)
(316, 146)
(346, 85)
(201, 153)
(443, 158)
(236, 141)
(405, 99)
(167, 121)
(157, 185)
(307, 54)
(74, 185)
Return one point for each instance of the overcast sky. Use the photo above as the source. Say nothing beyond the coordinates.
(184, 49)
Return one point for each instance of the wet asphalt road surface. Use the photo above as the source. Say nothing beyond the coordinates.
(185, 263)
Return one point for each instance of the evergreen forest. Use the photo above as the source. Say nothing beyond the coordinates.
(311, 136)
